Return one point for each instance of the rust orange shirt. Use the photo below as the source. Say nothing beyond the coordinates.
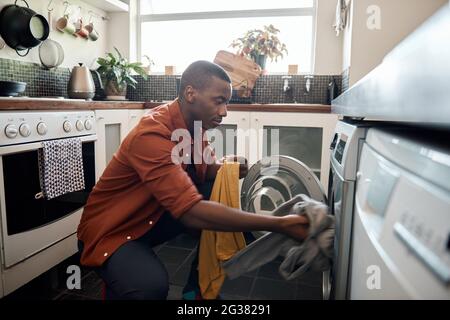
(138, 185)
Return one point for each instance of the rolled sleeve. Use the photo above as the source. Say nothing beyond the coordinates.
(150, 155)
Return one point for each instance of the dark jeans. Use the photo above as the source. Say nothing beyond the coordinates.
(135, 272)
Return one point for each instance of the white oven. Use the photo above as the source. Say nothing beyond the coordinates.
(37, 233)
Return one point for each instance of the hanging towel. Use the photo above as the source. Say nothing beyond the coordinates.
(61, 167)
(216, 247)
(314, 253)
(341, 16)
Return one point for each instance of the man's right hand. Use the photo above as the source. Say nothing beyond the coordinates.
(295, 226)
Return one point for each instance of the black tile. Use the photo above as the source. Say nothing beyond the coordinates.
(238, 287)
(183, 241)
(273, 290)
(180, 277)
(309, 293)
(175, 293)
(270, 271)
(173, 255)
(311, 278)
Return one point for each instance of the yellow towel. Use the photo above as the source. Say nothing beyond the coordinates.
(216, 247)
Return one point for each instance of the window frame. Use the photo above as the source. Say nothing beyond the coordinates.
(259, 13)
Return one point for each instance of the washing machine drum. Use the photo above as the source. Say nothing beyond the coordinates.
(274, 180)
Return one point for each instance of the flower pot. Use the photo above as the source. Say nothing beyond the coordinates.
(115, 92)
(260, 59)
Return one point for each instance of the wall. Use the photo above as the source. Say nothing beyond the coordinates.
(398, 19)
(328, 51)
(76, 49)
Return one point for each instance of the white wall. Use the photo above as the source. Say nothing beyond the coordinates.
(328, 51)
(76, 49)
(398, 19)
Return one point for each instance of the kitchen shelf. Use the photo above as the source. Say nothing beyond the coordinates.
(109, 5)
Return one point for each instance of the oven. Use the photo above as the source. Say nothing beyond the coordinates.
(31, 224)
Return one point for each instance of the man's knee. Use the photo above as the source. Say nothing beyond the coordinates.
(155, 287)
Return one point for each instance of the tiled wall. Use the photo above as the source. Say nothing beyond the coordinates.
(40, 82)
(268, 89)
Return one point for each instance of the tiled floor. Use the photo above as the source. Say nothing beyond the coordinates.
(177, 255)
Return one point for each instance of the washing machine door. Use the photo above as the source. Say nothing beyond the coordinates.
(274, 180)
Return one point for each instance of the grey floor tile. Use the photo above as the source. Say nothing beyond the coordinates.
(185, 241)
(175, 292)
(273, 290)
(308, 293)
(238, 287)
(173, 255)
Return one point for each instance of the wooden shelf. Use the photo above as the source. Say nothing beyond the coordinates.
(109, 5)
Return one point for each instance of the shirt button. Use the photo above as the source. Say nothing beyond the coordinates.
(128, 237)
(150, 222)
(105, 254)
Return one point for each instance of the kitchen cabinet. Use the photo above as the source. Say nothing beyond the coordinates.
(112, 127)
(303, 136)
(230, 136)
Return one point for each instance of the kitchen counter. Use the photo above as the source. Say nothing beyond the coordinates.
(75, 104)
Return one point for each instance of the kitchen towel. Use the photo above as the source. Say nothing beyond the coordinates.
(314, 253)
(216, 247)
(61, 167)
(341, 16)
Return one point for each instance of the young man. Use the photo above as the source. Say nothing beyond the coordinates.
(145, 197)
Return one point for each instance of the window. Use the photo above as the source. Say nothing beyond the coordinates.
(178, 32)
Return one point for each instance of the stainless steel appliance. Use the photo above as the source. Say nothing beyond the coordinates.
(37, 234)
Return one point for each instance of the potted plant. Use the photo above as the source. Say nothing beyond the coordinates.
(117, 71)
(259, 45)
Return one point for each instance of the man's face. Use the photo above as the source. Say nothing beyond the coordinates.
(209, 105)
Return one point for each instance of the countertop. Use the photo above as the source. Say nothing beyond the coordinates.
(74, 104)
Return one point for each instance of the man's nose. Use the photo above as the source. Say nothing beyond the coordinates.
(223, 110)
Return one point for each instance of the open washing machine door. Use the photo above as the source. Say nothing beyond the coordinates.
(274, 180)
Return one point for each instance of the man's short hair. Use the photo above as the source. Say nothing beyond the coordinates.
(199, 73)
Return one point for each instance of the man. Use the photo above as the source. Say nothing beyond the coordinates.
(146, 196)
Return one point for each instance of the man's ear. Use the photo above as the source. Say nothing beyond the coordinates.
(190, 94)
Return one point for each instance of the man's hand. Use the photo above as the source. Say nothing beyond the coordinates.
(243, 164)
(295, 226)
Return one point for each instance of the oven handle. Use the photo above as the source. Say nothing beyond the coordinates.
(36, 145)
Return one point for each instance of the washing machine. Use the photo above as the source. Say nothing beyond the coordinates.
(276, 179)
(401, 228)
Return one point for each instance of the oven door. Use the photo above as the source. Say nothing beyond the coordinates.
(30, 225)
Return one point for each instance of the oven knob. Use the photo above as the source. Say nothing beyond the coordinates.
(11, 131)
(88, 124)
(67, 126)
(24, 130)
(79, 125)
(41, 128)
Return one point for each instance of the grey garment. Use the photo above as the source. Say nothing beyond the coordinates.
(61, 167)
(314, 253)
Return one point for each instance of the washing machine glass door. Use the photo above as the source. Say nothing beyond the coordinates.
(274, 180)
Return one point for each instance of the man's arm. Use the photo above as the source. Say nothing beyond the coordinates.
(211, 215)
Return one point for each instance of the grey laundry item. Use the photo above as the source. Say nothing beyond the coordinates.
(60, 167)
(314, 253)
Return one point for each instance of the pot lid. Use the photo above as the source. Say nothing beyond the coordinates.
(276, 179)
